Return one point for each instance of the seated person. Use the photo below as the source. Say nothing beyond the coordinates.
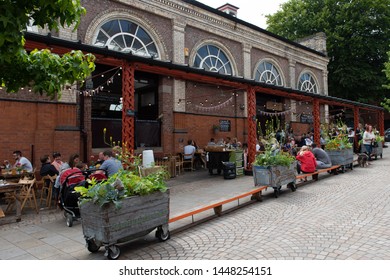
(322, 158)
(71, 175)
(47, 168)
(235, 143)
(57, 162)
(111, 165)
(212, 142)
(22, 162)
(189, 150)
(306, 161)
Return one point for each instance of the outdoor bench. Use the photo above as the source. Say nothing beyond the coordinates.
(255, 195)
(314, 175)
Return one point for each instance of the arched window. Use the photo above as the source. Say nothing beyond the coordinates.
(212, 58)
(126, 36)
(267, 73)
(307, 83)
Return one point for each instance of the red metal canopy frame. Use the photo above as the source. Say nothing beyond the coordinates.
(131, 63)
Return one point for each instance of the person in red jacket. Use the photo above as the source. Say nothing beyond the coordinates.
(306, 160)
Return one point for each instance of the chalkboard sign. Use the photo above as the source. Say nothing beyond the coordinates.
(224, 125)
(306, 118)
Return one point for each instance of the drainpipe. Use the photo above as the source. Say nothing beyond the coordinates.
(83, 133)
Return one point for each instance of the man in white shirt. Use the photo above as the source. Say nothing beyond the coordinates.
(22, 162)
(189, 150)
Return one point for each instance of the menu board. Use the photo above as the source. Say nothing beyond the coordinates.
(306, 118)
(224, 125)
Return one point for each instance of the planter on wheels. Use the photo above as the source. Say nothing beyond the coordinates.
(275, 176)
(344, 158)
(139, 215)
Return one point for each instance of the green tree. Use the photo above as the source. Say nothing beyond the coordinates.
(358, 35)
(41, 70)
(386, 102)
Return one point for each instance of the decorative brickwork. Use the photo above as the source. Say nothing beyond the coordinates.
(128, 105)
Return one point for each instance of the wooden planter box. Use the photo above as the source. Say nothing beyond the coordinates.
(341, 157)
(138, 216)
(274, 176)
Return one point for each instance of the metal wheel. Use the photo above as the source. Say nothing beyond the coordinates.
(292, 187)
(113, 252)
(277, 191)
(69, 220)
(163, 233)
(92, 246)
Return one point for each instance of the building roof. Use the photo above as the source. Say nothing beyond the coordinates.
(182, 71)
(252, 26)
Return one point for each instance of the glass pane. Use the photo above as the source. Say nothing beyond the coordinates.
(111, 27)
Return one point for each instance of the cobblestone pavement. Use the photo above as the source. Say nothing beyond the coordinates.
(337, 218)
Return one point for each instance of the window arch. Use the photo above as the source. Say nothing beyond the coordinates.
(307, 83)
(126, 36)
(268, 73)
(214, 59)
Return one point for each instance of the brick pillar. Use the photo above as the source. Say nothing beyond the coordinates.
(381, 122)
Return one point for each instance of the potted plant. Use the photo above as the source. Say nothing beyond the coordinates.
(274, 167)
(123, 207)
(216, 128)
(340, 150)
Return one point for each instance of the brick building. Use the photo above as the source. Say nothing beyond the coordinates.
(168, 109)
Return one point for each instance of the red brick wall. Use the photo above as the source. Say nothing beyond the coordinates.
(37, 129)
(199, 129)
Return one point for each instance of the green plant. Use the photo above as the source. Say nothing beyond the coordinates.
(272, 155)
(216, 127)
(340, 141)
(270, 158)
(120, 186)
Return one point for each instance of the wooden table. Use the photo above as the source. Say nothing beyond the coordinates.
(14, 190)
(15, 177)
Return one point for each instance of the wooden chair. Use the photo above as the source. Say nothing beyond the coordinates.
(27, 195)
(189, 162)
(47, 190)
(178, 163)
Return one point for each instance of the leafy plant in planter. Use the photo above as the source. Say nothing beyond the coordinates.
(272, 155)
(120, 186)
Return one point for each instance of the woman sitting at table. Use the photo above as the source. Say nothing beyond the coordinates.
(47, 168)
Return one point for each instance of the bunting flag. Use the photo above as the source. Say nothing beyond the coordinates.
(272, 114)
(216, 107)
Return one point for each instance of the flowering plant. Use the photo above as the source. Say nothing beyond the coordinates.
(273, 155)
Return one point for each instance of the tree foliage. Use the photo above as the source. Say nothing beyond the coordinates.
(39, 69)
(386, 102)
(358, 35)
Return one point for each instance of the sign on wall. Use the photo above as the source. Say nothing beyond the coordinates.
(224, 125)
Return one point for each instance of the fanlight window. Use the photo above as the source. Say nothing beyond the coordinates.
(307, 83)
(126, 36)
(268, 73)
(212, 58)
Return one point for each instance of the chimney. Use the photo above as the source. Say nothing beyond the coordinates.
(229, 9)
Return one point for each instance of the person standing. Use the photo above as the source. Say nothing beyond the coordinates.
(22, 162)
(368, 139)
